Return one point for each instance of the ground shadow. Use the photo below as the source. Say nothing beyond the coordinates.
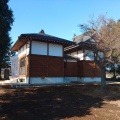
(112, 92)
(47, 103)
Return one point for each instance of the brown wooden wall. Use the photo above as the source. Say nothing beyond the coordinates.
(90, 69)
(81, 69)
(55, 66)
(97, 71)
(38, 65)
(70, 69)
(43, 66)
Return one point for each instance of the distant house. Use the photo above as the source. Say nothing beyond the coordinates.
(45, 59)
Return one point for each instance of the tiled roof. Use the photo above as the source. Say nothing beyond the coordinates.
(76, 47)
(85, 37)
(45, 37)
(23, 38)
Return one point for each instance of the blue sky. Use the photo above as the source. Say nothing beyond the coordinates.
(59, 18)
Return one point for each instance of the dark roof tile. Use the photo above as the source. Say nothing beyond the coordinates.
(39, 37)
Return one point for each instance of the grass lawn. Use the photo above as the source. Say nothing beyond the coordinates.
(68, 102)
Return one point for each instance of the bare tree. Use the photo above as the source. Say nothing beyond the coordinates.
(106, 32)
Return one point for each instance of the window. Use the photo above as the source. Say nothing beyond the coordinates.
(22, 66)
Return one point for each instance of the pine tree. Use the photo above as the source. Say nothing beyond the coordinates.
(6, 21)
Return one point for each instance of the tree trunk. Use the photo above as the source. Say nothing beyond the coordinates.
(103, 82)
(114, 74)
(6, 74)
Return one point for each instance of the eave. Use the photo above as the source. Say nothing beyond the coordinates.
(80, 46)
(24, 38)
(19, 43)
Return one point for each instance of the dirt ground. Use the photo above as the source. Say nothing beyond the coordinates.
(67, 102)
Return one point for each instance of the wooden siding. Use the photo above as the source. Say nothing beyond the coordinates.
(70, 69)
(55, 66)
(97, 71)
(38, 66)
(88, 69)
(50, 66)
(81, 69)
(46, 66)
(91, 69)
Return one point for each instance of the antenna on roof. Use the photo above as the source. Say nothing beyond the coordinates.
(42, 31)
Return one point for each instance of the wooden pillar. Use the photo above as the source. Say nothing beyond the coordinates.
(47, 59)
(83, 61)
(29, 63)
(63, 59)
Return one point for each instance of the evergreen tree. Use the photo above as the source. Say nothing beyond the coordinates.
(6, 21)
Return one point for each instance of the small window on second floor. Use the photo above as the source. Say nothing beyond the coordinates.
(22, 62)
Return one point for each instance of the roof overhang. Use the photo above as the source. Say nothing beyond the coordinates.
(24, 38)
(19, 43)
(82, 45)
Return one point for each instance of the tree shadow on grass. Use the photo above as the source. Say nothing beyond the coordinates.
(46, 103)
(112, 92)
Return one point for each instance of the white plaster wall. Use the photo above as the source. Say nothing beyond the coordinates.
(39, 48)
(80, 54)
(27, 80)
(71, 79)
(54, 80)
(59, 80)
(69, 54)
(55, 50)
(71, 60)
(83, 79)
(74, 54)
(17, 80)
(89, 55)
(46, 80)
(14, 66)
(62, 80)
(89, 79)
(28, 48)
(24, 50)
